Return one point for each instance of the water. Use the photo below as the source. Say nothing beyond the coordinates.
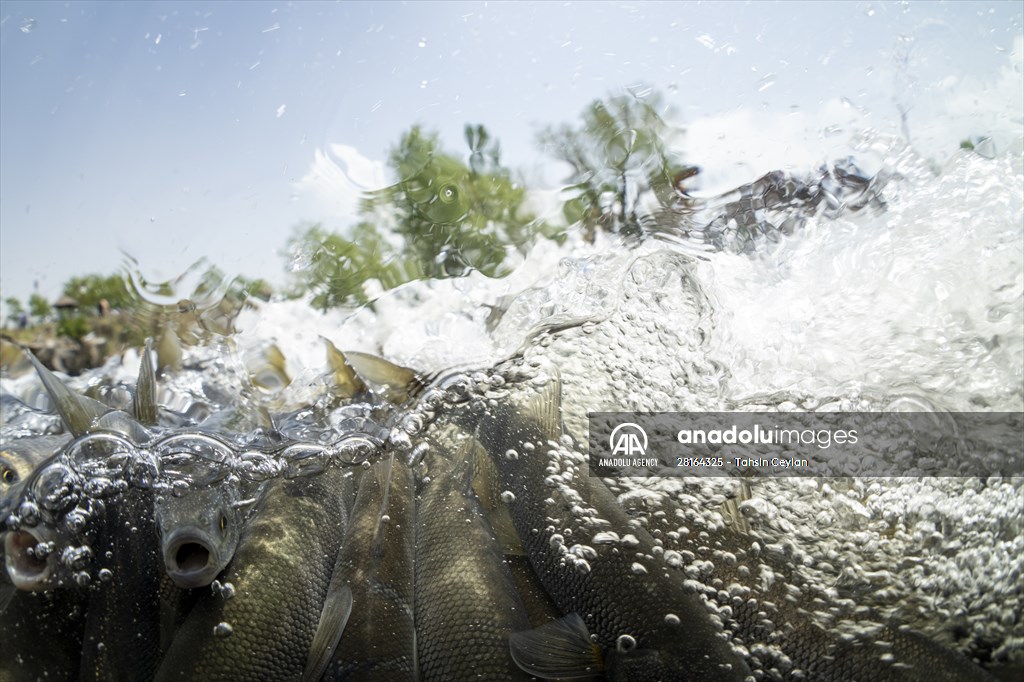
(916, 299)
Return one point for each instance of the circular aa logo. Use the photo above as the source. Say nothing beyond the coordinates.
(628, 439)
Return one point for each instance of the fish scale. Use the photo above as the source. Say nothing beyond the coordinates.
(466, 601)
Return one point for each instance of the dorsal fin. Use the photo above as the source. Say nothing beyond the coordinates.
(347, 382)
(168, 350)
(144, 400)
(77, 412)
(545, 408)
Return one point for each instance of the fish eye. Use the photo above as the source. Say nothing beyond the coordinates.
(9, 475)
(223, 522)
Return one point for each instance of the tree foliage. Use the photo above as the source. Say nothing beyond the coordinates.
(623, 166)
(443, 217)
(89, 290)
(39, 307)
(15, 309)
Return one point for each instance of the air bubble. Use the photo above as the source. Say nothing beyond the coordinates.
(625, 643)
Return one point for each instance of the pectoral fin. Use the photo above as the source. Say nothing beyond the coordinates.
(561, 649)
(333, 620)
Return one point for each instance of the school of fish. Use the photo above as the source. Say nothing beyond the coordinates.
(452, 532)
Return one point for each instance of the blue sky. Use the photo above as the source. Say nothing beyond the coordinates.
(178, 131)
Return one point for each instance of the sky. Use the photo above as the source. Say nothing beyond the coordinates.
(170, 132)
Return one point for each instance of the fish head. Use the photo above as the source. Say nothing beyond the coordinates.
(29, 557)
(18, 460)
(199, 533)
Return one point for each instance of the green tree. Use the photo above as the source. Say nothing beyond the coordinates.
(454, 217)
(443, 217)
(39, 307)
(336, 268)
(14, 309)
(621, 160)
(73, 327)
(89, 290)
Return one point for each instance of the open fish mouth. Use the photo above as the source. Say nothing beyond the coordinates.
(191, 561)
(25, 567)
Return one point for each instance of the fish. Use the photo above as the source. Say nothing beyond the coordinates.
(19, 458)
(346, 383)
(648, 624)
(776, 610)
(122, 630)
(378, 642)
(199, 532)
(261, 623)
(30, 558)
(467, 604)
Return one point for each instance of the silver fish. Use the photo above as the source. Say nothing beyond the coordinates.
(261, 623)
(376, 563)
(770, 611)
(466, 600)
(19, 458)
(622, 593)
